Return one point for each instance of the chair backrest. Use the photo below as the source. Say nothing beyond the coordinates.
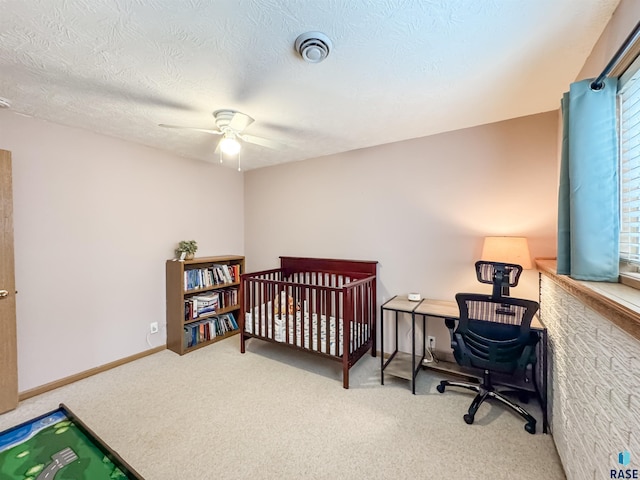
(493, 332)
(501, 275)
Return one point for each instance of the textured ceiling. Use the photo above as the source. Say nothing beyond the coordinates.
(399, 69)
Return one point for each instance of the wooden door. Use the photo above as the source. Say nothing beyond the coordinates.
(8, 348)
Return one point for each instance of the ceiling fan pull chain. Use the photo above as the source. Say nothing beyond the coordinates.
(220, 155)
(239, 169)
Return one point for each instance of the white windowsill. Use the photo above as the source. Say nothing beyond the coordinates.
(617, 302)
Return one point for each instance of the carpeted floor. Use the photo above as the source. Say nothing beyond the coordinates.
(275, 413)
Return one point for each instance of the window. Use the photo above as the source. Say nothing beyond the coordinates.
(629, 128)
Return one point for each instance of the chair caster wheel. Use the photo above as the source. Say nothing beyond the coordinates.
(440, 388)
(530, 427)
(469, 419)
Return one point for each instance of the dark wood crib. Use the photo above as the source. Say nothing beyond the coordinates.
(318, 305)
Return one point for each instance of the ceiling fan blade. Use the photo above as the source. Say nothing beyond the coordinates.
(263, 142)
(240, 121)
(205, 130)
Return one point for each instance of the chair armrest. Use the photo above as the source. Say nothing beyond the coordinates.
(451, 325)
(529, 356)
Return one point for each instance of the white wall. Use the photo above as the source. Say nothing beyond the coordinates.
(419, 207)
(95, 219)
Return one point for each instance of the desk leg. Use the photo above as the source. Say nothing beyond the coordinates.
(396, 332)
(540, 376)
(544, 381)
(424, 340)
(413, 353)
(381, 346)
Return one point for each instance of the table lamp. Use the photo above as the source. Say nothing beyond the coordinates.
(507, 250)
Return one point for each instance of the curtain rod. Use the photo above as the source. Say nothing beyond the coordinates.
(598, 83)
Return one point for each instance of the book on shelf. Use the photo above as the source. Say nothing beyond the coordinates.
(208, 329)
(226, 272)
(217, 274)
(233, 320)
(210, 302)
(235, 272)
(230, 320)
(228, 297)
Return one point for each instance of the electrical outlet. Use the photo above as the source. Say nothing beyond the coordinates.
(431, 342)
(153, 327)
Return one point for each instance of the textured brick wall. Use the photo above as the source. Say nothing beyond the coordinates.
(594, 386)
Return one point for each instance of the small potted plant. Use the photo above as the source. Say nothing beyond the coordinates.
(186, 249)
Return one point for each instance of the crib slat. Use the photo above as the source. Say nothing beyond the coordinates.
(365, 299)
(353, 309)
(356, 319)
(268, 297)
(262, 306)
(302, 317)
(248, 293)
(360, 315)
(293, 317)
(347, 339)
(319, 315)
(326, 319)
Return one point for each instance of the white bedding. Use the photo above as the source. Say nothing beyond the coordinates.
(358, 329)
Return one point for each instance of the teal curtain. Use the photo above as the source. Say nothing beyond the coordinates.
(588, 211)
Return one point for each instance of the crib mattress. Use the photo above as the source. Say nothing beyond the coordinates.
(358, 330)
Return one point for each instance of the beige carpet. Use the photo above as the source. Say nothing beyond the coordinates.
(275, 413)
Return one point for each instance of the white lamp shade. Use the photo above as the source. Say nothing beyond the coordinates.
(229, 145)
(507, 250)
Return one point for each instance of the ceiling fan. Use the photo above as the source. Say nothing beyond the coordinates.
(231, 125)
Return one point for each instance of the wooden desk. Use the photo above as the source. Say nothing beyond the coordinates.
(438, 308)
(445, 309)
(449, 309)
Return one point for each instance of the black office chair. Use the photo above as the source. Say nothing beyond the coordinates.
(494, 336)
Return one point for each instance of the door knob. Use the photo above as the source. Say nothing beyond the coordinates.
(3, 293)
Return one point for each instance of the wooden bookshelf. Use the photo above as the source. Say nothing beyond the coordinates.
(178, 294)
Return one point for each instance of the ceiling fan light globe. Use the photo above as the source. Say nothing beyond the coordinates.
(230, 146)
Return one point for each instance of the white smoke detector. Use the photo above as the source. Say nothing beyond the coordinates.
(313, 47)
